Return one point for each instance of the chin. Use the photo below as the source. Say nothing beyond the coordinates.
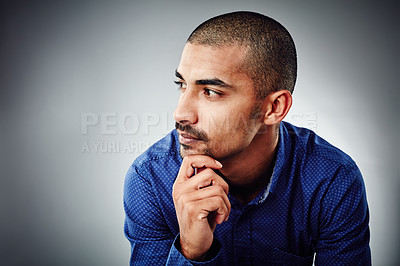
(187, 150)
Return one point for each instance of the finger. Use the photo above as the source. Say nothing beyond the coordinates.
(206, 178)
(195, 161)
(210, 205)
(202, 161)
(206, 193)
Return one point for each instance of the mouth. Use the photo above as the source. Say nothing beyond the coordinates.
(187, 139)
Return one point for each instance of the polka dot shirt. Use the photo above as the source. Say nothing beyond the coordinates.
(314, 207)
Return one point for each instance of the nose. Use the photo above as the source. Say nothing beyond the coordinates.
(186, 110)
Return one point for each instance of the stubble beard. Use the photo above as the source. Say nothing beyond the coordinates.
(220, 148)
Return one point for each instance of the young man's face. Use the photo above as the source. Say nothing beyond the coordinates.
(217, 109)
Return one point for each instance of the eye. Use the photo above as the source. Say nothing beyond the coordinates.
(211, 93)
(181, 85)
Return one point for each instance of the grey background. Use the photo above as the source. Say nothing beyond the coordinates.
(62, 204)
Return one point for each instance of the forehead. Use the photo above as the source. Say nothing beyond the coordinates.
(199, 61)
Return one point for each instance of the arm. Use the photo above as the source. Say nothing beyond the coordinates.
(144, 227)
(152, 242)
(344, 231)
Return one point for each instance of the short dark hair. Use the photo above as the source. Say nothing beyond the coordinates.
(271, 60)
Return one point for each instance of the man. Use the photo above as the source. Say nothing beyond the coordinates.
(233, 184)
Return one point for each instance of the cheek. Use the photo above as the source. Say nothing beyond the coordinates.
(226, 119)
(228, 126)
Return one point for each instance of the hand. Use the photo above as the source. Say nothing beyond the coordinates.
(201, 202)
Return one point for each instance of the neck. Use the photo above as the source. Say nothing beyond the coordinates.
(249, 171)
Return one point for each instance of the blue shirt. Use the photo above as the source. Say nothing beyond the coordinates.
(315, 203)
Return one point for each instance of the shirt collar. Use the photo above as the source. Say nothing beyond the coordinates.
(281, 157)
(280, 164)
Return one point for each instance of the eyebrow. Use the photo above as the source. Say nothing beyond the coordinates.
(214, 81)
(178, 75)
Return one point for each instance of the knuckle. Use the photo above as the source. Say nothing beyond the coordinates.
(178, 195)
(190, 208)
(185, 161)
(209, 171)
(183, 198)
(216, 201)
(220, 190)
(224, 186)
(175, 193)
(217, 190)
(188, 158)
(221, 201)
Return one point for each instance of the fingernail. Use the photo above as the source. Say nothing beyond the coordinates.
(218, 163)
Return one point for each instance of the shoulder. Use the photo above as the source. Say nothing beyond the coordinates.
(147, 194)
(326, 177)
(318, 166)
(313, 148)
(158, 165)
(166, 147)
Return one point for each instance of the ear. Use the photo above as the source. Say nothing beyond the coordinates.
(277, 105)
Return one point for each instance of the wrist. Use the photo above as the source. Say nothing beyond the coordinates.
(191, 253)
(209, 255)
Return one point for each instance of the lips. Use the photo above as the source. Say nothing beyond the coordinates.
(187, 139)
